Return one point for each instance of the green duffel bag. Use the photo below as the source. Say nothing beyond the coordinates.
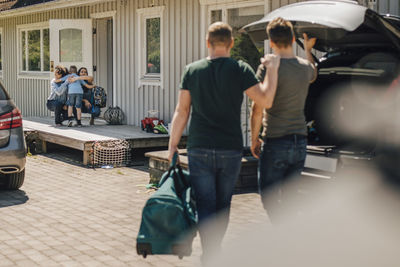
(169, 217)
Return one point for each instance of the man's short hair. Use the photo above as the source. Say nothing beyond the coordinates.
(280, 32)
(219, 34)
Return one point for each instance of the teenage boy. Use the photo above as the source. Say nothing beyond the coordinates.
(213, 88)
(285, 132)
(75, 94)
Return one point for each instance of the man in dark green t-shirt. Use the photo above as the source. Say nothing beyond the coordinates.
(213, 88)
(284, 135)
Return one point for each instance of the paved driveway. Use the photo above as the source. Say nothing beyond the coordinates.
(69, 215)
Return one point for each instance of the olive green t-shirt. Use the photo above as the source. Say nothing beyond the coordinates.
(216, 88)
(286, 116)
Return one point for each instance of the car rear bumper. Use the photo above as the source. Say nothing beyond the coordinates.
(13, 156)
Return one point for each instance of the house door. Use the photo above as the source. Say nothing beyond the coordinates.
(71, 43)
(103, 55)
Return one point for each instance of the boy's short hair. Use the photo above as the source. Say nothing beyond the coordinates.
(73, 69)
(219, 34)
(280, 31)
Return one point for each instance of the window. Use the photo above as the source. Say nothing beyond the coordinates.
(70, 45)
(1, 51)
(153, 45)
(150, 44)
(34, 47)
(237, 17)
(216, 15)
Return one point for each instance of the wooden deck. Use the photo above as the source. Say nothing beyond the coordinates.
(84, 137)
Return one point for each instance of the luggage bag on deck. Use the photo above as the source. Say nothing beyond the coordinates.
(169, 216)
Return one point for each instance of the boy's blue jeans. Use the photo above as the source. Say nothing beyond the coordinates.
(281, 159)
(75, 100)
(213, 175)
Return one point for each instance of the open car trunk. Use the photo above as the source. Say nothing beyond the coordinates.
(352, 93)
(350, 106)
(337, 25)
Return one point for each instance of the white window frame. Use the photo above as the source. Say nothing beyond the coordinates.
(143, 15)
(43, 75)
(1, 52)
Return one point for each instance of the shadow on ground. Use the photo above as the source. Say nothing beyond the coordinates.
(12, 198)
(74, 157)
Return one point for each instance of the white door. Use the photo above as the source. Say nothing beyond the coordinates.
(71, 43)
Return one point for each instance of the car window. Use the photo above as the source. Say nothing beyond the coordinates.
(3, 93)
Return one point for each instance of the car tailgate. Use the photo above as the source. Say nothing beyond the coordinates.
(335, 24)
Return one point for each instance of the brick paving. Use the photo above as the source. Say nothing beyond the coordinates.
(69, 215)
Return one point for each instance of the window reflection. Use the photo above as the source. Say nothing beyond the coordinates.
(46, 50)
(71, 45)
(244, 49)
(216, 15)
(1, 62)
(153, 45)
(23, 46)
(34, 50)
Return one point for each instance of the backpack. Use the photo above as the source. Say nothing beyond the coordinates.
(100, 96)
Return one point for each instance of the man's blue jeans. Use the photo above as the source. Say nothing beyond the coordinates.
(213, 176)
(281, 159)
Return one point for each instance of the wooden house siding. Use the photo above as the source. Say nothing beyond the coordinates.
(181, 45)
(184, 25)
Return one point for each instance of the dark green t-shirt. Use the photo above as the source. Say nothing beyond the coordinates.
(216, 88)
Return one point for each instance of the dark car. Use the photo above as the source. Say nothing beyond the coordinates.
(12, 144)
(353, 108)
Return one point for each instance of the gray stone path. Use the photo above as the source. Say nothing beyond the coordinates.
(69, 215)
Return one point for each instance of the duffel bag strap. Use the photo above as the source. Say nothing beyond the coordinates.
(178, 185)
(175, 171)
(173, 168)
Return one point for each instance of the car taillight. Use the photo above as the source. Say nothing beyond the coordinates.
(11, 120)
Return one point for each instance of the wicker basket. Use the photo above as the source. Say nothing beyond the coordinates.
(116, 153)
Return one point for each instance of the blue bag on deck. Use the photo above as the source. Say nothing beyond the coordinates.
(100, 97)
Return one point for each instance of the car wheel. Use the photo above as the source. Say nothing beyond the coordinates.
(15, 180)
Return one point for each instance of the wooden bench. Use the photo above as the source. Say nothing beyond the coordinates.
(247, 181)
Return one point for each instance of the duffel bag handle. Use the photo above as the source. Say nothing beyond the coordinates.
(175, 164)
(174, 160)
(172, 167)
(175, 171)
